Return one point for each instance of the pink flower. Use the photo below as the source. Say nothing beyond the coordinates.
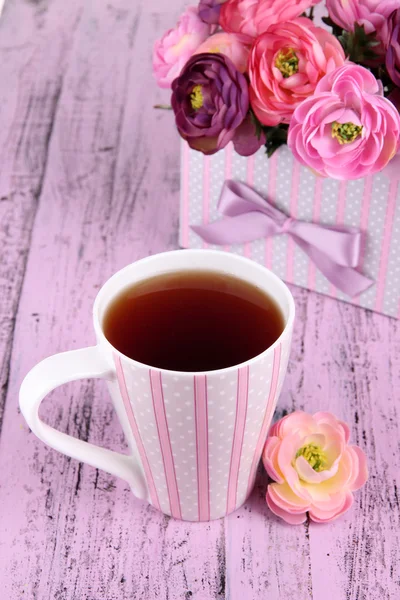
(315, 469)
(347, 129)
(177, 45)
(373, 14)
(235, 47)
(286, 64)
(253, 17)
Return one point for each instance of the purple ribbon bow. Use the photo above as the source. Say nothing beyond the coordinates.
(247, 216)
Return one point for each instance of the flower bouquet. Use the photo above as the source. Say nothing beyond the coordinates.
(319, 83)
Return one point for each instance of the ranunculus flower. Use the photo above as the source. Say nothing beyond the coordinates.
(314, 467)
(373, 14)
(232, 45)
(286, 64)
(347, 129)
(210, 99)
(253, 17)
(209, 10)
(393, 51)
(177, 45)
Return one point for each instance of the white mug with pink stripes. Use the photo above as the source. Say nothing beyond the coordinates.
(195, 439)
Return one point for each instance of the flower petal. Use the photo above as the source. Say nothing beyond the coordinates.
(297, 421)
(325, 516)
(360, 469)
(270, 459)
(283, 496)
(307, 473)
(286, 454)
(291, 518)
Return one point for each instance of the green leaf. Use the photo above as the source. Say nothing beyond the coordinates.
(328, 21)
(257, 125)
(381, 74)
(336, 30)
(359, 45)
(275, 137)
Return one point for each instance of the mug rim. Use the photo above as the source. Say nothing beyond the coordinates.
(101, 336)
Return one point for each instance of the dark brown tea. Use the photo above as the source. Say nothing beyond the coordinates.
(192, 321)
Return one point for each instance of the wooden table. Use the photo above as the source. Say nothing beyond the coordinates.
(89, 181)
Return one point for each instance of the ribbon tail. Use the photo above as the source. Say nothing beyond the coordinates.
(347, 279)
(236, 230)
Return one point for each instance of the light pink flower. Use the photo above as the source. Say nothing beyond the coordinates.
(373, 14)
(347, 129)
(253, 17)
(177, 45)
(286, 64)
(235, 46)
(314, 467)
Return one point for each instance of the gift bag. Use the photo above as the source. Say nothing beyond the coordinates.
(371, 205)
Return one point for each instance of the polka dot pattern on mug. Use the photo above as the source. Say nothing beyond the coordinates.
(259, 394)
(197, 437)
(140, 395)
(179, 404)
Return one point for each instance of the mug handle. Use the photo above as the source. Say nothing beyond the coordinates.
(50, 374)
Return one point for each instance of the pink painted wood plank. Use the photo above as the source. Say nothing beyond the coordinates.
(27, 106)
(264, 557)
(351, 366)
(340, 362)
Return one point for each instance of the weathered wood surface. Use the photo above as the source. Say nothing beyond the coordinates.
(89, 181)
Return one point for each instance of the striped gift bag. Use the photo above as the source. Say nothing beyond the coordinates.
(371, 204)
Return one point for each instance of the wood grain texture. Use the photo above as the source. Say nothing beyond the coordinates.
(28, 100)
(90, 173)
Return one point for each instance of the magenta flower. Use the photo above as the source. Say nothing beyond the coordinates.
(286, 64)
(177, 45)
(393, 51)
(209, 10)
(347, 129)
(210, 99)
(373, 14)
(314, 467)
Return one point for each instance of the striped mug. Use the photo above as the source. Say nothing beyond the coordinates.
(195, 439)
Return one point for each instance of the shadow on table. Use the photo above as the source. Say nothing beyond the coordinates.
(257, 503)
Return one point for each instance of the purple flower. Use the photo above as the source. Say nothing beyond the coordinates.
(210, 99)
(393, 51)
(209, 11)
